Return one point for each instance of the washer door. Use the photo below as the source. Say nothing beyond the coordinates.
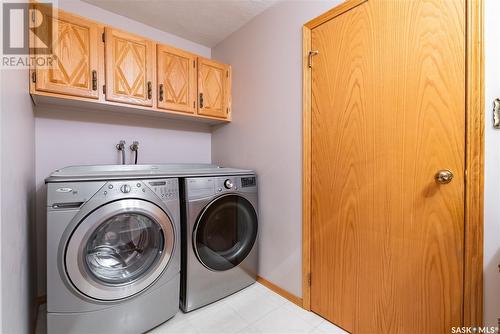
(225, 232)
(119, 249)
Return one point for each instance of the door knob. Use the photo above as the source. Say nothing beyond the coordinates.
(444, 176)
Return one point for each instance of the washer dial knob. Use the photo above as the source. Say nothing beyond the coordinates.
(125, 188)
(228, 184)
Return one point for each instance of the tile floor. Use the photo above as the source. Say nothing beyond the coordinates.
(255, 309)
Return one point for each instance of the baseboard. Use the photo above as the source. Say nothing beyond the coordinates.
(282, 292)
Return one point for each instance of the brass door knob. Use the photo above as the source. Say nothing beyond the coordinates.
(444, 176)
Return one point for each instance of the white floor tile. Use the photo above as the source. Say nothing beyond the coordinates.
(327, 327)
(249, 330)
(283, 320)
(252, 306)
(254, 310)
(307, 316)
(218, 319)
(182, 326)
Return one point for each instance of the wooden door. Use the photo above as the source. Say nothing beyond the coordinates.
(75, 48)
(388, 112)
(130, 62)
(176, 79)
(214, 88)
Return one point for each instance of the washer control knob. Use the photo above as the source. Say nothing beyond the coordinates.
(125, 188)
(228, 184)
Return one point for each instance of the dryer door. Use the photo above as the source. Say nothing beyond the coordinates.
(225, 232)
(119, 249)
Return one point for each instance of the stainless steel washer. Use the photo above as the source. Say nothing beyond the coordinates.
(219, 234)
(113, 254)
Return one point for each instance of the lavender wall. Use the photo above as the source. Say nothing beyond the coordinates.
(266, 130)
(17, 166)
(73, 137)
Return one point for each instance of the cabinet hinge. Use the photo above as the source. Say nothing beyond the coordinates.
(104, 89)
(309, 279)
(33, 16)
(227, 74)
(33, 77)
(194, 104)
(194, 63)
(227, 111)
(103, 38)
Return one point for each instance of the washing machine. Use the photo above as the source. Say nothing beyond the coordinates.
(113, 252)
(219, 234)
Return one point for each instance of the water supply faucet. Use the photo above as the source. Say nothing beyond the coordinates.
(135, 148)
(121, 147)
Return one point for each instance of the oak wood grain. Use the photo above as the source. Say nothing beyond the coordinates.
(306, 169)
(177, 84)
(214, 82)
(473, 278)
(388, 112)
(75, 55)
(130, 67)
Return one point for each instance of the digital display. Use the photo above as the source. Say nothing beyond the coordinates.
(158, 183)
(248, 182)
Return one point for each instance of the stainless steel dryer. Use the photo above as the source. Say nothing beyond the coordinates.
(113, 254)
(219, 234)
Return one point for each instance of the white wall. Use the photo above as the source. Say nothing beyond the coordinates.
(266, 130)
(492, 168)
(73, 137)
(17, 198)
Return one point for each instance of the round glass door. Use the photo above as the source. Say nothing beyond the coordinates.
(119, 249)
(123, 248)
(225, 232)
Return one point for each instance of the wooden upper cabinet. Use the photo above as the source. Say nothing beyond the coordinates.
(176, 79)
(100, 66)
(214, 88)
(75, 54)
(130, 62)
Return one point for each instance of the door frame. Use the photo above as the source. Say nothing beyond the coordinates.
(474, 158)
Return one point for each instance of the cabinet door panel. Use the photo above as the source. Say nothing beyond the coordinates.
(213, 88)
(129, 68)
(176, 79)
(75, 54)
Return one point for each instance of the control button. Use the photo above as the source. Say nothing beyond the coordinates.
(110, 186)
(125, 188)
(228, 184)
(138, 185)
(219, 190)
(105, 193)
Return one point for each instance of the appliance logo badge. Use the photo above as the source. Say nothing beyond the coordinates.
(64, 190)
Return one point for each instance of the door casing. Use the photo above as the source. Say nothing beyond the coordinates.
(474, 158)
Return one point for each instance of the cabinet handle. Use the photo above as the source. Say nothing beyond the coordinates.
(161, 92)
(201, 100)
(94, 80)
(150, 91)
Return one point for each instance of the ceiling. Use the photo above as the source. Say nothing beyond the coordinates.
(206, 22)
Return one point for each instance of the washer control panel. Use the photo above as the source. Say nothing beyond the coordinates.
(165, 189)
